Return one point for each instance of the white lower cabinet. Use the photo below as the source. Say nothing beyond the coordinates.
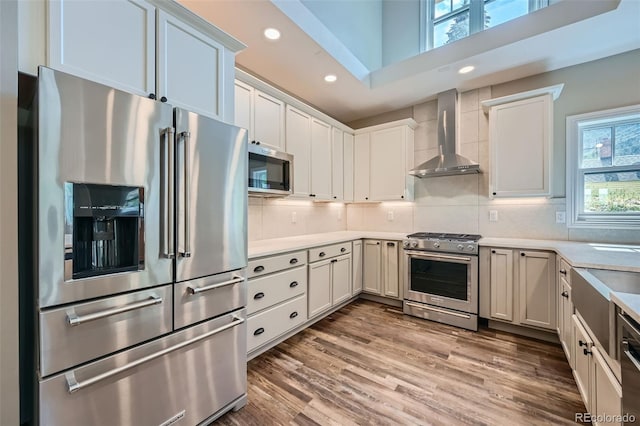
(329, 278)
(273, 322)
(356, 255)
(382, 270)
(598, 386)
(565, 310)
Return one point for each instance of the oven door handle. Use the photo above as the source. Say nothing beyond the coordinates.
(441, 311)
(627, 352)
(420, 254)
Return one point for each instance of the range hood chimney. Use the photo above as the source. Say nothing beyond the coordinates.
(447, 163)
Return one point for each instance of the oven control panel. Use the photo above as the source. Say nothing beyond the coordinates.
(469, 247)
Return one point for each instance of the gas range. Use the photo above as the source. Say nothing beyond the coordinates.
(441, 242)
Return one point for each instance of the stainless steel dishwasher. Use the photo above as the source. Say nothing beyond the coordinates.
(630, 367)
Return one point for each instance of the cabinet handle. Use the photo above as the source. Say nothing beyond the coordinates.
(312, 195)
(293, 284)
(259, 295)
(390, 244)
(586, 351)
(322, 254)
(565, 294)
(334, 260)
(493, 251)
(258, 268)
(293, 315)
(257, 142)
(152, 96)
(253, 142)
(581, 343)
(343, 249)
(494, 193)
(402, 196)
(523, 254)
(335, 197)
(163, 99)
(366, 198)
(378, 243)
(258, 331)
(293, 261)
(563, 271)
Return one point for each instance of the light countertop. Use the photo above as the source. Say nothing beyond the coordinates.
(628, 302)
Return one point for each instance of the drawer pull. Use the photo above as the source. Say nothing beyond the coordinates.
(586, 352)
(293, 261)
(259, 295)
(195, 290)
(563, 271)
(565, 294)
(74, 319)
(334, 260)
(258, 331)
(293, 284)
(258, 268)
(322, 254)
(581, 343)
(343, 249)
(73, 385)
(390, 244)
(293, 315)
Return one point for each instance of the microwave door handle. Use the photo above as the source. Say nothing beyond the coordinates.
(169, 195)
(186, 136)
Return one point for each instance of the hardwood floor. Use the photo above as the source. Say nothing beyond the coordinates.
(370, 364)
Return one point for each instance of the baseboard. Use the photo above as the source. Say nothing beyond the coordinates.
(384, 300)
(547, 336)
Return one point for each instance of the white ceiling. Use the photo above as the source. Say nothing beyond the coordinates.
(558, 36)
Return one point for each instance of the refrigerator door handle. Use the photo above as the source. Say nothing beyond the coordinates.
(73, 385)
(75, 319)
(168, 206)
(186, 136)
(195, 290)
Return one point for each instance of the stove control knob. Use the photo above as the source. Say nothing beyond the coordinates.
(414, 244)
(405, 243)
(470, 247)
(436, 244)
(460, 247)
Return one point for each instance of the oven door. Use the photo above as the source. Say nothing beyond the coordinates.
(444, 280)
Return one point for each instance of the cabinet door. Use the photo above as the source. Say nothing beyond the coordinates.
(357, 267)
(564, 320)
(501, 277)
(388, 158)
(298, 138)
(361, 168)
(319, 287)
(268, 121)
(520, 144)
(390, 269)
(371, 276)
(190, 68)
(607, 391)
(537, 288)
(320, 160)
(348, 167)
(243, 107)
(341, 278)
(83, 41)
(337, 165)
(582, 361)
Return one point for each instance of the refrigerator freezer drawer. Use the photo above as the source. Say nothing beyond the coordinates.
(82, 332)
(274, 322)
(198, 300)
(183, 378)
(270, 290)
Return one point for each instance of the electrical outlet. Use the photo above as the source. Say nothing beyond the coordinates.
(390, 216)
(339, 215)
(294, 217)
(493, 215)
(561, 217)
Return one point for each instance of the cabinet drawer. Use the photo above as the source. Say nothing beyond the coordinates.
(326, 252)
(276, 321)
(265, 292)
(267, 265)
(564, 271)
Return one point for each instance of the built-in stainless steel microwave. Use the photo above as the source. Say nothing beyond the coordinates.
(270, 172)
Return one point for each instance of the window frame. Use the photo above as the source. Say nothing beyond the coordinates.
(575, 175)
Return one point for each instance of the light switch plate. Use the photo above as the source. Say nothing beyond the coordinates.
(493, 215)
(561, 217)
(294, 217)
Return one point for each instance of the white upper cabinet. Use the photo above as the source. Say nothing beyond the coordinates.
(320, 164)
(337, 165)
(261, 114)
(520, 140)
(383, 158)
(348, 164)
(160, 49)
(298, 137)
(83, 41)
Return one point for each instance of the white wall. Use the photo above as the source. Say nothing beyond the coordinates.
(400, 30)
(9, 385)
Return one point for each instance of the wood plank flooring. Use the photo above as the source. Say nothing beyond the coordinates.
(370, 364)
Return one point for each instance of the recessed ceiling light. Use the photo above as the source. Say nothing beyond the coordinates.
(272, 34)
(330, 78)
(467, 69)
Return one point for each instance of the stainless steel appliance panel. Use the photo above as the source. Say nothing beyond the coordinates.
(90, 133)
(270, 172)
(442, 315)
(630, 369)
(184, 377)
(212, 196)
(79, 333)
(203, 298)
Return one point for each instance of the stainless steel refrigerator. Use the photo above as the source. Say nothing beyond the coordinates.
(141, 245)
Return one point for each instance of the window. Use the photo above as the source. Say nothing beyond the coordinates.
(451, 20)
(603, 168)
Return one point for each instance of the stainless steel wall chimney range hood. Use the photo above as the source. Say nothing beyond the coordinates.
(447, 163)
